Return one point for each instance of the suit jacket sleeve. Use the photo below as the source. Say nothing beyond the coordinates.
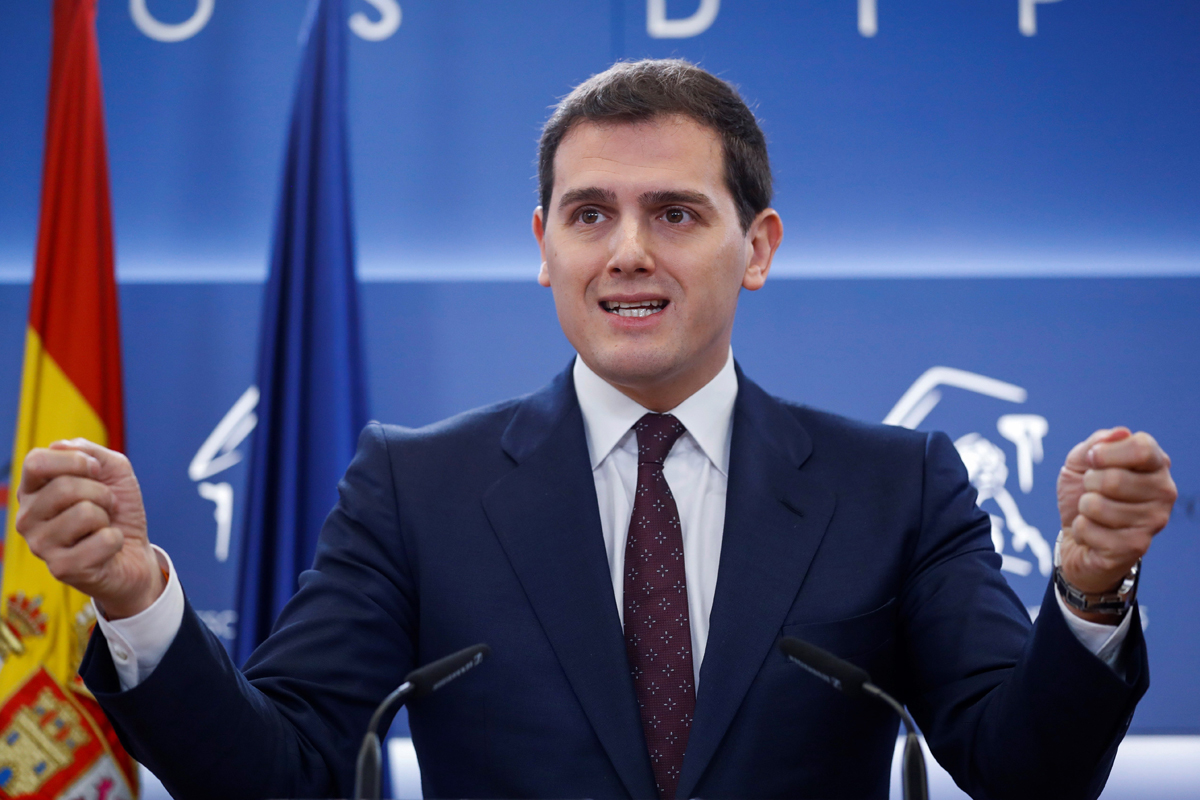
(291, 724)
(1046, 724)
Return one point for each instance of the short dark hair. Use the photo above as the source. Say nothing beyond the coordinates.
(636, 91)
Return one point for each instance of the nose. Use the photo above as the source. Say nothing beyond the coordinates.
(630, 254)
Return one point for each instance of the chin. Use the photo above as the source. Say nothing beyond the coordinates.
(633, 368)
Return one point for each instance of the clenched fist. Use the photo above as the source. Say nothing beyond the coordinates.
(81, 512)
(1115, 493)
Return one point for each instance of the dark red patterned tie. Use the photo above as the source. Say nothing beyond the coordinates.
(658, 635)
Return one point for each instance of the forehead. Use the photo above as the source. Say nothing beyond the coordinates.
(664, 152)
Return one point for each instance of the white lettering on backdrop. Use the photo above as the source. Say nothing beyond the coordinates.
(168, 32)
(389, 20)
(868, 19)
(660, 27)
(390, 16)
(1027, 15)
(658, 24)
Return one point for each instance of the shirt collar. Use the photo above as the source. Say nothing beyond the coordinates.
(608, 414)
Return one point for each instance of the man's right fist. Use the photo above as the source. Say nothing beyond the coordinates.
(81, 512)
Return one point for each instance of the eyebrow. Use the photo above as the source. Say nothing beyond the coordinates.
(595, 194)
(591, 194)
(664, 197)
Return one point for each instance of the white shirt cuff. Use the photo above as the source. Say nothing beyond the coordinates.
(1103, 640)
(139, 642)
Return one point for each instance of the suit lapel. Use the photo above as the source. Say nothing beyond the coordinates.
(547, 519)
(775, 517)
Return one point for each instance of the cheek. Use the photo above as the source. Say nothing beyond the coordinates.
(714, 285)
(571, 298)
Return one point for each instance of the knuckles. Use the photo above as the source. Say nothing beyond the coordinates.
(1148, 452)
(1092, 505)
(22, 522)
(58, 568)
(37, 545)
(46, 537)
(65, 496)
(82, 570)
(121, 461)
(1140, 451)
(1111, 481)
(85, 513)
(35, 461)
(41, 461)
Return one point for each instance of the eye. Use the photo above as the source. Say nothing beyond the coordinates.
(677, 216)
(590, 216)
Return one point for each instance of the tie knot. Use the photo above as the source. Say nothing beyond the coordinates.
(656, 434)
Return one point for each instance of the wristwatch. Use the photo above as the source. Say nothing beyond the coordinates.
(1116, 602)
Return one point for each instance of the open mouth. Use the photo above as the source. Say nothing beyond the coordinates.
(641, 308)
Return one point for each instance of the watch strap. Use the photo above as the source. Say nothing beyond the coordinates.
(1115, 602)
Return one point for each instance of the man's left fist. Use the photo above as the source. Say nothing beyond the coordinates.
(1114, 494)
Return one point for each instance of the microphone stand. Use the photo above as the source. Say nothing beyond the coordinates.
(855, 682)
(417, 684)
(913, 778)
(369, 766)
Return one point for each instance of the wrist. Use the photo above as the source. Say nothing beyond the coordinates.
(123, 607)
(1109, 605)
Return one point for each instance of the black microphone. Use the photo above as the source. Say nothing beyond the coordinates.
(845, 677)
(417, 684)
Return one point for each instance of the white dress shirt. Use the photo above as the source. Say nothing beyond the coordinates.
(696, 470)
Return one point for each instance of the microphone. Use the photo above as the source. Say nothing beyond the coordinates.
(855, 682)
(417, 684)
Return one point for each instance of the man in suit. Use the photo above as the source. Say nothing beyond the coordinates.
(632, 540)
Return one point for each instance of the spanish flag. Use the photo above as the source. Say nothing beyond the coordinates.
(54, 740)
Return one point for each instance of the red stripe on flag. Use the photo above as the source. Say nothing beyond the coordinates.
(73, 305)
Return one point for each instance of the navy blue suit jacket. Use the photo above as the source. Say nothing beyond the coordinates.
(863, 539)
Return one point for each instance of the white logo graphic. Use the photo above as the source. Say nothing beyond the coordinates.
(659, 27)
(218, 453)
(221, 623)
(1027, 15)
(165, 32)
(986, 463)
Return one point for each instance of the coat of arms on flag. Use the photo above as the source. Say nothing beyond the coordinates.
(55, 742)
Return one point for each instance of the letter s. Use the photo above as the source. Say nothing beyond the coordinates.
(389, 20)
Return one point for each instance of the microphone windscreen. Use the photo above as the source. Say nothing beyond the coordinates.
(437, 674)
(839, 674)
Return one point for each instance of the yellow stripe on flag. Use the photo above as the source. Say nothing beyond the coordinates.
(53, 630)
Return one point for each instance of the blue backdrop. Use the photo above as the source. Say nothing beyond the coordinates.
(956, 193)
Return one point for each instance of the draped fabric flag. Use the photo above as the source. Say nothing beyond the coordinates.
(312, 401)
(54, 740)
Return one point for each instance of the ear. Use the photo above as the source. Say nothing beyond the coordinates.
(763, 238)
(539, 233)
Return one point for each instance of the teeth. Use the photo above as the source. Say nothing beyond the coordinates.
(642, 308)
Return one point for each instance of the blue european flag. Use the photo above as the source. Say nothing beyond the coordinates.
(312, 401)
